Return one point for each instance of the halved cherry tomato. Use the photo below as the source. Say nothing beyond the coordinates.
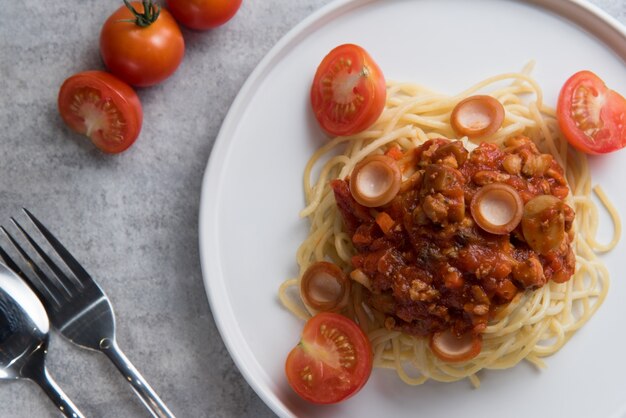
(332, 361)
(203, 14)
(348, 92)
(141, 46)
(591, 116)
(102, 107)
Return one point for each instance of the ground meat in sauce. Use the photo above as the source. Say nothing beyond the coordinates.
(435, 269)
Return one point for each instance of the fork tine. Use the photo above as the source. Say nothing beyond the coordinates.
(66, 256)
(65, 281)
(36, 286)
(50, 295)
(10, 263)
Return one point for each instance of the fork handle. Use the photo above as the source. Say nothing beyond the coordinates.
(147, 395)
(54, 392)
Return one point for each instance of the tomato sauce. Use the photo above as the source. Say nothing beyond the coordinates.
(430, 267)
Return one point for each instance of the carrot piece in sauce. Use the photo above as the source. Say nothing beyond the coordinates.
(385, 222)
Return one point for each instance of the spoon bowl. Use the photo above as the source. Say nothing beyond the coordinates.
(24, 336)
(24, 326)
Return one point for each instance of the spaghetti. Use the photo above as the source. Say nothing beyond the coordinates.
(536, 323)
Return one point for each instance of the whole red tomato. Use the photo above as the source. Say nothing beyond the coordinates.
(141, 45)
(203, 14)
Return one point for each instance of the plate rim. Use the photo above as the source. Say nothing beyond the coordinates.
(581, 13)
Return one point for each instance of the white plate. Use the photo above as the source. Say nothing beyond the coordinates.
(251, 196)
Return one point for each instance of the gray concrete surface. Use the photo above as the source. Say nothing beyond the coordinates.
(132, 218)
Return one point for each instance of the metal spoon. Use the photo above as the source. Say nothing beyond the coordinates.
(24, 338)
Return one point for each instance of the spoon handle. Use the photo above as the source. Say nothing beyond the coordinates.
(148, 396)
(60, 399)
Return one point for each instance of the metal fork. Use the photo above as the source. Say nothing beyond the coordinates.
(78, 308)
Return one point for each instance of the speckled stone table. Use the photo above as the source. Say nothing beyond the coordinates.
(132, 218)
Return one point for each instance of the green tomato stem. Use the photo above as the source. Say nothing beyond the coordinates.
(150, 13)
